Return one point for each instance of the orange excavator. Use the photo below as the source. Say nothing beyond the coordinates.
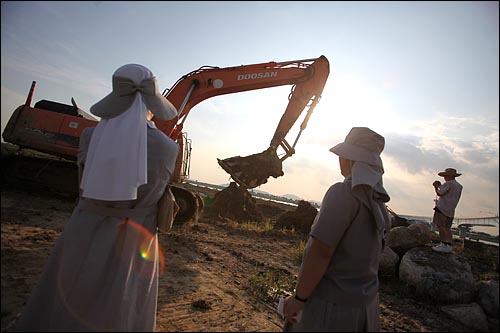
(55, 128)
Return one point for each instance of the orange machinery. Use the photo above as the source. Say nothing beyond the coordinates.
(55, 128)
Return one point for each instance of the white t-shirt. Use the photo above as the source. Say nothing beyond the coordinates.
(449, 195)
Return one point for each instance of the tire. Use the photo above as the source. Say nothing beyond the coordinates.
(188, 205)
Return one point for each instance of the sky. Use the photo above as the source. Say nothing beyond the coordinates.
(424, 75)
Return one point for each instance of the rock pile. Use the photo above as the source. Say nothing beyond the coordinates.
(445, 278)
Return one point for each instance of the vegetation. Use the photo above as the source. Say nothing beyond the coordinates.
(297, 252)
(270, 284)
(264, 226)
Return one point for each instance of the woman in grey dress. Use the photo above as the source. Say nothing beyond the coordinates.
(102, 274)
(337, 287)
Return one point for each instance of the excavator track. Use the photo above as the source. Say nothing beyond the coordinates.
(29, 170)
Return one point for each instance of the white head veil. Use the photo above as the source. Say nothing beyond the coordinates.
(116, 163)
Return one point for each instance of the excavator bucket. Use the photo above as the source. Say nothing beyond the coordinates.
(253, 170)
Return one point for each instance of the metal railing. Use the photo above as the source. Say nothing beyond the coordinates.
(476, 221)
(458, 221)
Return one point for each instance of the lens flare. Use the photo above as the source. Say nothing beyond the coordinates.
(128, 256)
(146, 244)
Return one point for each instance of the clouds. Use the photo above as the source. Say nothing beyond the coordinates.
(471, 145)
(468, 144)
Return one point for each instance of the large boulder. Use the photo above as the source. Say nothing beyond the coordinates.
(388, 263)
(487, 297)
(471, 315)
(402, 239)
(446, 278)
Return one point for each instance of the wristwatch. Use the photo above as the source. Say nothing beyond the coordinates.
(303, 300)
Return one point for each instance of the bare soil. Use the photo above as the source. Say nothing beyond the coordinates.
(220, 275)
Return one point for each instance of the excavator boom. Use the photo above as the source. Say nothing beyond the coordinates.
(307, 77)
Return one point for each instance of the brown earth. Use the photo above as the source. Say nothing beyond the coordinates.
(220, 275)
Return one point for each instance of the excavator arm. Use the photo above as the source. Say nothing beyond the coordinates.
(307, 77)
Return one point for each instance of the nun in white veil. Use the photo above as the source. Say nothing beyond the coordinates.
(338, 288)
(102, 274)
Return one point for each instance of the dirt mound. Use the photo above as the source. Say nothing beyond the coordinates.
(237, 204)
(300, 219)
(272, 210)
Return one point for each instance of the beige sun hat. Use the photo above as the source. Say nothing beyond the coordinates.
(127, 81)
(363, 145)
(449, 172)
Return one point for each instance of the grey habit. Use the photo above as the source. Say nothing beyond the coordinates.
(102, 274)
(346, 298)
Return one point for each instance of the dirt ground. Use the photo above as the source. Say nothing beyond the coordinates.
(220, 275)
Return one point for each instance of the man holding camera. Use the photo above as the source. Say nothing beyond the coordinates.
(448, 195)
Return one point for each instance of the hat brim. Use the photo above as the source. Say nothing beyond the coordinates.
(355, 153)
(113, 105)
(160, 106)
(442, 174)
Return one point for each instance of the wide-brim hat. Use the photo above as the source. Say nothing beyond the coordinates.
(362, 145)
(449, 172)
(129, 80)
